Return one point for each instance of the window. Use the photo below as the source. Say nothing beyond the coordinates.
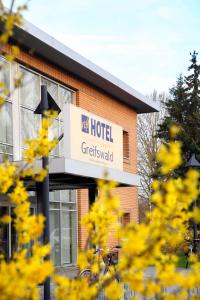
(126, 149)
(6, 125)
(126, 219)
(63, 227)
(29, 99)
(22, 104)
(8, 235)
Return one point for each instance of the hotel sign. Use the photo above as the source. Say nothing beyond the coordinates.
(92, 139)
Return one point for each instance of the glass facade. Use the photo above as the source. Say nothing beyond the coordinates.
(18, 122)
(29, 99)
(6, 124)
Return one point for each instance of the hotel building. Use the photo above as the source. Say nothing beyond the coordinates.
(98, 122)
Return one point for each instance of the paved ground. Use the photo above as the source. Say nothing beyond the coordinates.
(72, 272)
(69, 271)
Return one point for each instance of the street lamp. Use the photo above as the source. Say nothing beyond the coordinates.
(194, 164)
(46, 103)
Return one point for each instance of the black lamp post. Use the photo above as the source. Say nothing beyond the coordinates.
(193, 163)
(46, 103)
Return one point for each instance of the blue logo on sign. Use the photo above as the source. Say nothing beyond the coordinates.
(85, 123)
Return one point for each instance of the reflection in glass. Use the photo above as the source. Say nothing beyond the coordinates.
(30, 89)
(63, 226)
(6, 124)
(54, 196)
(64, 195)
(5, 157)
(5, 74)
(55, 205)
(69, 206)
(73, 196)
(73, 220)
(61, 142)
(30, 124)
(65, 237)
(51, 87)
(65, 96)
(55, 236)
(54, 134)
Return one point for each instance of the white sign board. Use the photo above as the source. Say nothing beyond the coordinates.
(90, 138)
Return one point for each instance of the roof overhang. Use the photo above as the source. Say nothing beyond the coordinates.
(42, 44)
(67, 173)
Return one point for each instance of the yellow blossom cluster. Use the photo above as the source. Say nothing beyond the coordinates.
(19, 278)
(143, 245)
(74, 289)
(7, 174)
(169, 156)
(28, 267)
(10, 19)
(40, 146)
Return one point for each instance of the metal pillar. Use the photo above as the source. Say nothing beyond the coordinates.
(42, 189)
(195, 232)
(45, 194)
(194, 163)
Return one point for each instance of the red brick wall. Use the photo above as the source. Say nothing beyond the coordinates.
(98, 102)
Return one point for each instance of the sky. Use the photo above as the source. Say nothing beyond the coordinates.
(145, 43)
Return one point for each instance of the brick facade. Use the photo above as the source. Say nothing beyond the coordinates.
(101, 104)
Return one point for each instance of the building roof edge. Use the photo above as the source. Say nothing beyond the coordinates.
(47, 46)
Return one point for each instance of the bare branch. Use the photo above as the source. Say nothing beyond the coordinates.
(148, 145)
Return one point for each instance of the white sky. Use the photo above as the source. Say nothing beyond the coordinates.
(145, 43)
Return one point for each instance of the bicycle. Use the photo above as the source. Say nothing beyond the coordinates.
(111, 259)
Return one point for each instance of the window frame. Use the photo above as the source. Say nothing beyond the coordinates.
(60, 121)
(60, 209)
(10, 101)
(126, 159)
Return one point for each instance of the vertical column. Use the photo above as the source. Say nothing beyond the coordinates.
(15, 114)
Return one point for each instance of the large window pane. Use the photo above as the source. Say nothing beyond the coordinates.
(51, 87)
(5, 73)
(65, 96)
(73, 196)
(54, 134)
(69, 206)
(55, 236)
(73, 221)
(6, 124)
(64, 195)
(61, 142)
(30, 124)
(4, 157)
(54, 196)
(30, 89)
(68, 196)
(66, 237)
